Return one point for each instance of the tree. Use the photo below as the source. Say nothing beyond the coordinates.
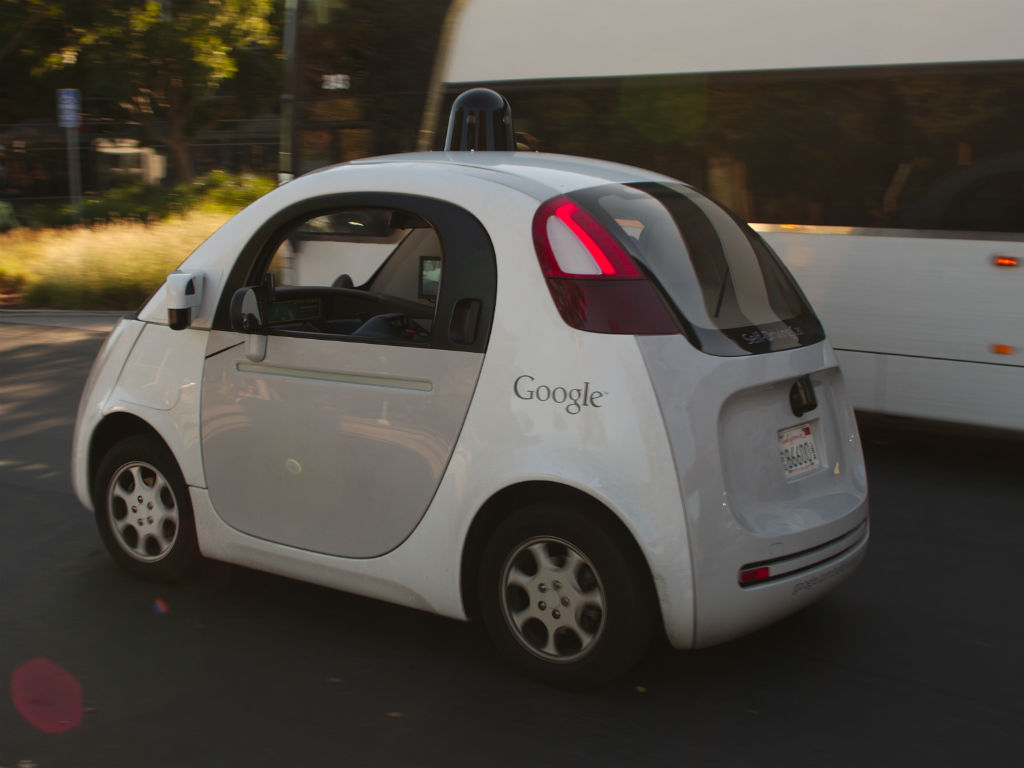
(162, 62)
(17, 21)
(30, 32)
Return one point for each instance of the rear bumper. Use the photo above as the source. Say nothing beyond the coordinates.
(753, 575)
(727, 608)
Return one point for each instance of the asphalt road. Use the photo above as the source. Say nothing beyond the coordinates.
(915, 660)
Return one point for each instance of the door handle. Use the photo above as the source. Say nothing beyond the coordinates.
(256, 347)
(465, 319)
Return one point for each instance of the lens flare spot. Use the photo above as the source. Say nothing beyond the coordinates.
(160, 607)
(47, 696)
(293, 467)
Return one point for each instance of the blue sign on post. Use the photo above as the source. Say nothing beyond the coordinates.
(69, 117)
(69, 107)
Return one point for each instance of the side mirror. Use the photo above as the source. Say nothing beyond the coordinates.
(184, 293)
(246, 314)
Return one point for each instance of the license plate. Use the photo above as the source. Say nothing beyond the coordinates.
(797, 450)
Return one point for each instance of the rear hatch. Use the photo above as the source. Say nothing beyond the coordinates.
(764, 440)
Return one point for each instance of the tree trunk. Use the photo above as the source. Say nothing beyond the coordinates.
(179, 150)
(181, 159)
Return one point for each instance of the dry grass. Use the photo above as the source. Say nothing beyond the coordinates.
(108, 266)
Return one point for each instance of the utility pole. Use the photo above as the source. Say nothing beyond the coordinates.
(285, 155)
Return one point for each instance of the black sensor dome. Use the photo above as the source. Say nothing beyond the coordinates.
(481, 119)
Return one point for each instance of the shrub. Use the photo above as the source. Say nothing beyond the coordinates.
(216, 191)
(7, 220)
(226, 192)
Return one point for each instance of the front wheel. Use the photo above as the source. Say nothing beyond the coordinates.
(143, 510)
(564, 597)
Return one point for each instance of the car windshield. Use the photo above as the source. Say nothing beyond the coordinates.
(731, 290)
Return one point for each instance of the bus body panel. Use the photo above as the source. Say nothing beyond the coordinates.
(645, 37)
(930, 327)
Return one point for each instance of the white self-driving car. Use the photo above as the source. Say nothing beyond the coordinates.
(577, 400)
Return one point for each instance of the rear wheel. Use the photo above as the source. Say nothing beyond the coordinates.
(563, 597)
(143, 510)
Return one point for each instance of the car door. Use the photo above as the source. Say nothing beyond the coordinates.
(330, 428)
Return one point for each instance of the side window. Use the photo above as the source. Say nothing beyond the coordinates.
(991, 204)
(377, 267)
(361, 273)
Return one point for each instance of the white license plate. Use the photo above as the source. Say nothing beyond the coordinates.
(797, 450)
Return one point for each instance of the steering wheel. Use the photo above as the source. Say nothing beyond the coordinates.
(393, 325)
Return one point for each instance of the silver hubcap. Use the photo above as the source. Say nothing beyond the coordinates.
(142, 511)
(552, 599)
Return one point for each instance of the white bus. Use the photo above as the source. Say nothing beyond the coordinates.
(878, 145)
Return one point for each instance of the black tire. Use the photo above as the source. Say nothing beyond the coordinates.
(564, 599)
(144, 512)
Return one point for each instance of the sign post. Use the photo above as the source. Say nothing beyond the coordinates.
(69, 118)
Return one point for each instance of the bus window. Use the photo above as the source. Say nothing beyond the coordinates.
(825, 147)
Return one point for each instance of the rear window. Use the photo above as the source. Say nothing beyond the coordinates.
(731, 292)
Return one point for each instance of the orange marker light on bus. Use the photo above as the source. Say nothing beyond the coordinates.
(1003, 349)
(1004, 261)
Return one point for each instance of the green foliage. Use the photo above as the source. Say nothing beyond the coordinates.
(7, 218)
(220, 191)
(216, 191)
(31, 31)
(156, 64)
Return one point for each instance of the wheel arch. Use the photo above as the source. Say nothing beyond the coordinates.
(507, 500)
(110, 431)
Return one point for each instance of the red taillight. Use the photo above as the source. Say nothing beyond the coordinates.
(755, 575)
(608, 256)
(595, 284)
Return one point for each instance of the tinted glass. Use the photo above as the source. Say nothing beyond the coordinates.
(733, 294)
(368, 274)
(899, 147)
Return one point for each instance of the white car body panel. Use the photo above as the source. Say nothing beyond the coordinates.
(157, 381)
(160, 383)
(346, 423)
(410, 574)
(93, 406)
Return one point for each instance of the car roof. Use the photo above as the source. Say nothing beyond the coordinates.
(537, 174)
